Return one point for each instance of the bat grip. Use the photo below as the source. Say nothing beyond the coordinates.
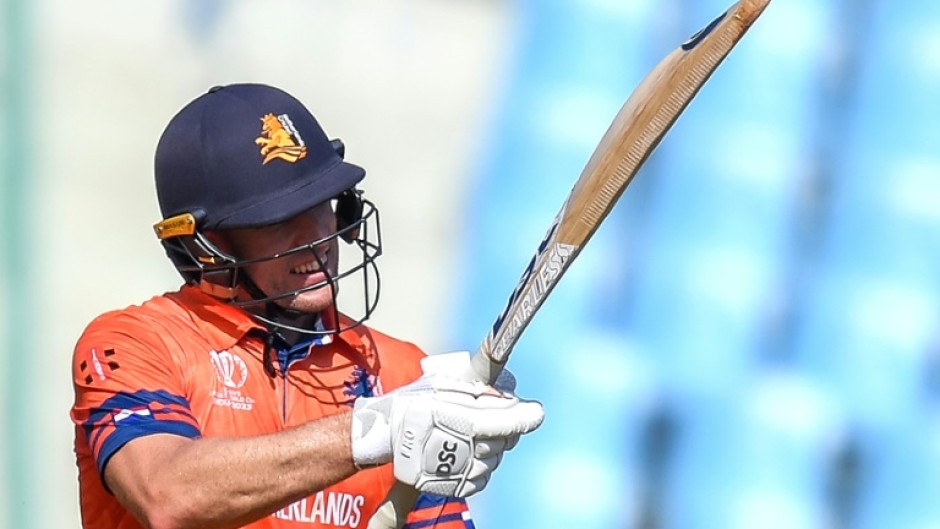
(484, 368)
(394, 509)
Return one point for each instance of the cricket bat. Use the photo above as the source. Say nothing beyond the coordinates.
(635, 132)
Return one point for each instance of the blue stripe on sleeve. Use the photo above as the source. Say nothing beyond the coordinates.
(144, 413)
(135, 400)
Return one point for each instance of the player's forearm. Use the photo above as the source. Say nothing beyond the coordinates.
(227, 482)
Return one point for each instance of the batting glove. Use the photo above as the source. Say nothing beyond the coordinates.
(443, 433)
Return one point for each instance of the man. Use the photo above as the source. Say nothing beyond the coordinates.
(248, 398)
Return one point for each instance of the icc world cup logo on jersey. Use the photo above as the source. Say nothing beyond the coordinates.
(232, 373)
(229, 369)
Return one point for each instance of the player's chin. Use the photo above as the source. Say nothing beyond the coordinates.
(313, 301)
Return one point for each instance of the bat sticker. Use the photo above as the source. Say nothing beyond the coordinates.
(549, 269)
(498, 324)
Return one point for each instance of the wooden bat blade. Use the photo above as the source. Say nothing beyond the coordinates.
(636, 130)
(632, 136)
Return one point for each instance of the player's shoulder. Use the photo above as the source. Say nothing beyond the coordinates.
(151, 317)
(139, 333)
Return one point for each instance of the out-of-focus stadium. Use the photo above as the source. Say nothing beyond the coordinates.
(752, 340)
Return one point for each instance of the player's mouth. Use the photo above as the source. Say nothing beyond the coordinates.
(307, 268)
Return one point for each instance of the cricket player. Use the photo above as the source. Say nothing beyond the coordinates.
(249, 398)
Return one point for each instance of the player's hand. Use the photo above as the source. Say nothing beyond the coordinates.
(443, 434)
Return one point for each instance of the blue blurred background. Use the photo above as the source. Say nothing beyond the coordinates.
(751, 340)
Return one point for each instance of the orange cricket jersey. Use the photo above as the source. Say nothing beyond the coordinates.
(187, 364)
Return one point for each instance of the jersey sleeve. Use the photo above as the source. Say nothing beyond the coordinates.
(439, 512)
(128, 384)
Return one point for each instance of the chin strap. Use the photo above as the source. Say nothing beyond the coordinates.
(271, 335)
(269, 352)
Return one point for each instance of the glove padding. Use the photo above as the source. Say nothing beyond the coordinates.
(443, 433)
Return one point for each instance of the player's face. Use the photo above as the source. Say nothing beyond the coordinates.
(297, 270)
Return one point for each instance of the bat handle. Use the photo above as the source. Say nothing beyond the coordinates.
(394, 509)
(484, 368)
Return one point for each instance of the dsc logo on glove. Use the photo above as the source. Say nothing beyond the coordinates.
(447, 456)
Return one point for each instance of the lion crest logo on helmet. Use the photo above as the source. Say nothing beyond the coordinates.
(280, 140)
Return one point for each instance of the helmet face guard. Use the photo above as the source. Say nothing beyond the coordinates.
(224, 276)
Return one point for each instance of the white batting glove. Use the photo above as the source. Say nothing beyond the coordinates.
(443, 434)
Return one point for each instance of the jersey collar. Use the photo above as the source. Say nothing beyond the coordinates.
(224, 325)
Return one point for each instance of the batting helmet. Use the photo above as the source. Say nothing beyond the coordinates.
(251, 155)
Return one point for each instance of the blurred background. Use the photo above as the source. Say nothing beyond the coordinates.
(752, 340)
